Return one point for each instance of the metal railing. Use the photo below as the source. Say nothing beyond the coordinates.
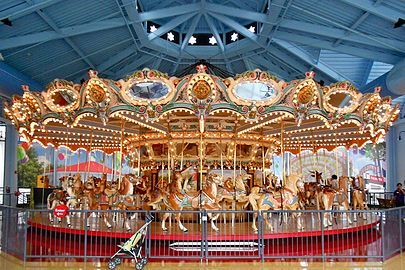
(370, 235)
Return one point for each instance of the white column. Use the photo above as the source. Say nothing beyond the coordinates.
(10, 164)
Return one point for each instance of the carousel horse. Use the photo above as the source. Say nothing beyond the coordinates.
(286, 198)
(338, 195)
(91, 201)
(358, 195)
(235, 189)
(54, 199)
(206, 199)
(233, 194)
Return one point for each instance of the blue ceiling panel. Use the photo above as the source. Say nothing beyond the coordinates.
(377, 70)
(339, 39)
(20, 26)
(76, 12)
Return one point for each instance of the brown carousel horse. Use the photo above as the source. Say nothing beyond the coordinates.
(286, 198)
(337, 193)
(177, 199)
(92, 200)
(233, 194)
(358, 195)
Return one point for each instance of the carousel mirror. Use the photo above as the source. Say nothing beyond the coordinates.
(340, 99)
(63, 97)
(148, 90)
(254, 91)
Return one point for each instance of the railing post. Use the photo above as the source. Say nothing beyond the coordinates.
(204, 240)
(382, 234)
(26, 217)
(148, 235)
(400, 228)
(322, 236)
(260, 234)
(85, 235)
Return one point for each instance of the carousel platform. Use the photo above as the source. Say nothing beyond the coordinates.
(239, 230)
(230, 242)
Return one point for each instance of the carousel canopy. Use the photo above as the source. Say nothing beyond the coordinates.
(91, 166)
(244, 118)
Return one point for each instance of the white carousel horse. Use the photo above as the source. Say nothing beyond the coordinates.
(286, 198)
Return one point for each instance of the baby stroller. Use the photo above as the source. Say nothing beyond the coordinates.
(132, 247)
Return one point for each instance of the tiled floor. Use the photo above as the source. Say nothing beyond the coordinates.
(396, 263)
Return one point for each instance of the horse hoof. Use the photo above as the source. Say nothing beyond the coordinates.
(109, 227)
(185, 230)
(88, 226)
(129, 229)
(51, 221)
(59, 221)
(69, 225)
(164, 229)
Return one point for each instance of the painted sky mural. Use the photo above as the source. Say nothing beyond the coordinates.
(368, 161)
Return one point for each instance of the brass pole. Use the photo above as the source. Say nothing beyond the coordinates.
(89, 154)
(282, 150)
(121, 156)
(139, 155)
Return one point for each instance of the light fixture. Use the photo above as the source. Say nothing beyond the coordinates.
(152, 28)
(234, 36)
(192, 40)
(400, 137)
(213, 41)
(170, 36)
(252, 29)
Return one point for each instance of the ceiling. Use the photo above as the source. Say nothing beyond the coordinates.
(338, 39)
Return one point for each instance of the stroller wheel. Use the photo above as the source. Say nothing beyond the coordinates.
(144, 261)
(111, 265)
(117, 261)
(139, 266)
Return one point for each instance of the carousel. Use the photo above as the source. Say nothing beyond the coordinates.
(199, 142)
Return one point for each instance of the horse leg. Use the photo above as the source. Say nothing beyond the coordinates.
(355, 205)
(254, 222)
(346, 207)
(105, 218)
(50, 213)
(181, 226)
(326, 204)
(165, 216)
(213, 218)
(126, 222)
(268, 222)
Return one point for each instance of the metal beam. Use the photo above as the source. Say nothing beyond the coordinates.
(168, 12)
(238, 13)
(380, 10)
(353, 26)
(131, 9)
(269, 66)
(16, 12)
(156, 63)
(274, 11)
(215, 32)
(133, 66)
(45, 36)
(309, 60)
(236, 26)
(367, 71)
(190, 32)
(323, 44)
(384, 43)
(170, 25)
(116, 59)
(53, 25)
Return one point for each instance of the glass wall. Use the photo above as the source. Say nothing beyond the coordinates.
(2, 156)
